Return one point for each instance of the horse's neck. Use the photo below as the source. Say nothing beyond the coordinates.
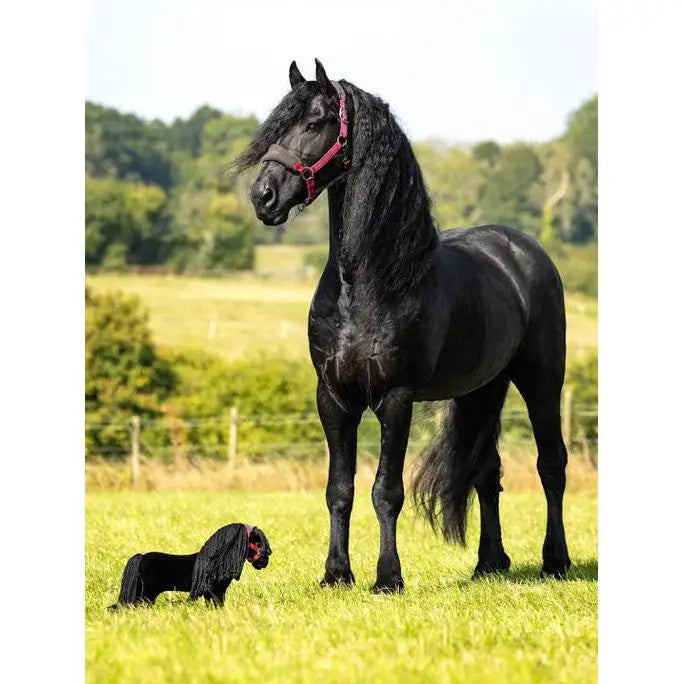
(370, 272)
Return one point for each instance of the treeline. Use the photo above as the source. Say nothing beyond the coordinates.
(549, 190)
(157, 193)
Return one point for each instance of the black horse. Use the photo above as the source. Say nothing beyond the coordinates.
(207, 573)
(404, 313)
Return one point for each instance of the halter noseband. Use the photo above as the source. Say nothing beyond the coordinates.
(280, 154)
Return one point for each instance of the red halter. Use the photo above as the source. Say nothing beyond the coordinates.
(283, 156)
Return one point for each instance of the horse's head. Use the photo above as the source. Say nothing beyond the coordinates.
(258, 549)
(302, 146)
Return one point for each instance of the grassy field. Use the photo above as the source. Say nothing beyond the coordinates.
(278, 625)
(245, 315)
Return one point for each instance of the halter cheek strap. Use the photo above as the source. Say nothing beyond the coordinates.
(289, 160)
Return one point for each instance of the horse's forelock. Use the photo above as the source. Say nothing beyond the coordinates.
(288, 111)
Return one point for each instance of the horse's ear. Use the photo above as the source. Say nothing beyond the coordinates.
(323, 80)
(295, 75)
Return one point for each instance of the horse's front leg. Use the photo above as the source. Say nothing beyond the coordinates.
(340, 428)
(394, 415)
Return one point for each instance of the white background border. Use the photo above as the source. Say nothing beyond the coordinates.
(640, 338)
(42, 340)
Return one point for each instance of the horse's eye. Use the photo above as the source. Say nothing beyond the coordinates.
(312, 126)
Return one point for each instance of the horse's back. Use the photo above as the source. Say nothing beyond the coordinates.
(513, 254)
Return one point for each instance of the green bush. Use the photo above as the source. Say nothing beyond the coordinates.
(275, 399)
(124, 374)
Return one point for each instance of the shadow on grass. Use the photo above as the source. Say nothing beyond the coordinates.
(580, 571)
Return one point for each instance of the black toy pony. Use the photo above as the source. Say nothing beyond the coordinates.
(207, 573)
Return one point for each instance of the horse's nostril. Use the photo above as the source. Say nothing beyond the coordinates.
(268, 197)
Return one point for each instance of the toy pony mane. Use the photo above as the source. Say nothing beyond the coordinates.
(222, 557)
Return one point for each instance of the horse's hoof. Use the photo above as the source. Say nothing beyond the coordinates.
(345, 579)
(555, 569)
(388, 587)
(492, 567)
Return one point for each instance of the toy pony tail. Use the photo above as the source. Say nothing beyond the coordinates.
(221, 558)
(130, 582)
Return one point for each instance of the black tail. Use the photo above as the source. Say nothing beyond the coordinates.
(130, 581)
(443, 484)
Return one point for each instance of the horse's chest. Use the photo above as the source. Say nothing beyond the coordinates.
(359, 349)
(359, 354)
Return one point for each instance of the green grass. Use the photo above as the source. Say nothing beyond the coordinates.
(278, 625)
(253, 315)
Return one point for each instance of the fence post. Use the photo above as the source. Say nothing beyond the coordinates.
(567, 416)
(232, 438)
(135, 452)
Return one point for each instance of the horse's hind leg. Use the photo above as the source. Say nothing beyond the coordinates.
(479, 421)
(540, 386)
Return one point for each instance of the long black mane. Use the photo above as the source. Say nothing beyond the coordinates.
(387, 233)
(388, 229)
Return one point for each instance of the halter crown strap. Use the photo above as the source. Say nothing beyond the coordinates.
(289, 160)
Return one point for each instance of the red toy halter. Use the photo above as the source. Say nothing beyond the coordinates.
(251, 545)
(283, 156)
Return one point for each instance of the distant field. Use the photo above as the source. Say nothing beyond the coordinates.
(280, 257)
(244, 315)
(278, 625)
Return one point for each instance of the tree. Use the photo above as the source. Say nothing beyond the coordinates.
(582, 132)
(124, 214)
(226, 136)
(488, 152)
(508, 193)
(453, 178)
(126, 147)
(185, 135)
(227, 240)
(209, 230)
